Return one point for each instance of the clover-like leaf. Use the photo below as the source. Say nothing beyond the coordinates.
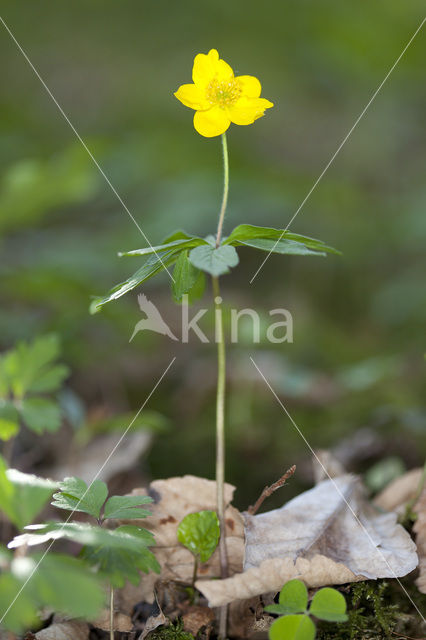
(215, 261)
(187, 279)
(293, 598)
(329, 604)
(126, 507)
(75, 495)
(124, 562)
(294, 627)
(22, 496)
(200, 532)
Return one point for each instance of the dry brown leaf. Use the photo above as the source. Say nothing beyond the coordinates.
(70, 630)
(174, 498)
(196, 618)
(420, 531)
(400, 491)
(122, 622)
(152, 623)
(317, 538)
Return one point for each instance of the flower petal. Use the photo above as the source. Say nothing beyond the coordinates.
(192, 97)
(250, 86)
(211, 123)
(247, 110)
(207, 67)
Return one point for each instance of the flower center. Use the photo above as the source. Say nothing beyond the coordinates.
(223, 93)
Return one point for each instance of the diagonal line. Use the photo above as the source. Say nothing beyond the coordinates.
(342, 144)
(336, 486)
(96, 163)
(88, 489)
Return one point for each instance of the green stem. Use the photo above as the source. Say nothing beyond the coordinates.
(194, 573)
(225, 189)
(111, 614)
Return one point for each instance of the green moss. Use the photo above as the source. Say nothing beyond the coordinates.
(172, 632)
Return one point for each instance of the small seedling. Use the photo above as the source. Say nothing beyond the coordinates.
(199, 532)
(295, 622)
(117, 554)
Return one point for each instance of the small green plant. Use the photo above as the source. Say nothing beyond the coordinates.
(199, 532)
(29, 378)
(117, 554)
(295, 622)
(173, 631)
(29, 583)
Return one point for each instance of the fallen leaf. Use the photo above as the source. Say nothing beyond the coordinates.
(152, 623)
(96, 452)
(122, 622)
(420, 531)
(315, 537)
(400, 491)
(174, 498)
(197, 618)
(70, 630)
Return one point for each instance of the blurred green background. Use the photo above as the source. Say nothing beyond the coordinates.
(353, 378)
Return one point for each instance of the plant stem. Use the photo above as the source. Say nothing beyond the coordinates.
(194, 575)
(111, 614)
(225, 189)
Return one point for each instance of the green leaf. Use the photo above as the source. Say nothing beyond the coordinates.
(329, 604)
(123, 537)
(9, 421)
(289, 247)
(292, 628)
(125, 562)
(153, 265)
(200, 532)
(247, 232)
(75, 495)
(187, 279)
(180, 243)
(22, 496)
(214, 261)
(126, 507)
(41, 414)
(49, 380)
(293, 599)
(62, 583)
(23, 614)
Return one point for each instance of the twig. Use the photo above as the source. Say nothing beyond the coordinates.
(268, 491)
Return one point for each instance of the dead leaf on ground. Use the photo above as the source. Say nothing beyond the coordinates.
(95, 453)
(122, 622)
(174, 498)
(152, 623)
(395, 496)
(420, 531)
(197, 618)
(70, 630)
(316, 537)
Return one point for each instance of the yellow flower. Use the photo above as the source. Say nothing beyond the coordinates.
(219, 97)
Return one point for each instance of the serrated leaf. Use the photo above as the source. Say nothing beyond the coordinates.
(214, 261)
(61, 583)
(293, 599)
(40, 414)
(22, 496)
(153, 265)
(49, 380)
(188, 280)
(126, 507)
(289, 247)
(124, 537)
(247, 232)
(295, 627)
(200, 532)
(329, 604)
(9, 421)
(75, 495)
(180, 243)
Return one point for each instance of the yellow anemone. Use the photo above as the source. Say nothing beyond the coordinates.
(219, 97)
